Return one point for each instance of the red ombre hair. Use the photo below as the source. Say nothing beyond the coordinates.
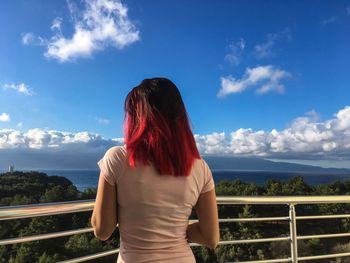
(157, 128)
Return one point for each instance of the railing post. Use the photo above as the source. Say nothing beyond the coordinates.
(293, 234)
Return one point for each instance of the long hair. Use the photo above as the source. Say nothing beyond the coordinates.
(157, 128)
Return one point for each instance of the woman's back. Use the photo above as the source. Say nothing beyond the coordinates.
(153, 209)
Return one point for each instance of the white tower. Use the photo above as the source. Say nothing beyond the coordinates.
(11, 168)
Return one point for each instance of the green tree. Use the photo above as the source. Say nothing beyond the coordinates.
(60, 193)
(45, 258)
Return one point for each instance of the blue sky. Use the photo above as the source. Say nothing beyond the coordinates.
(241, 66)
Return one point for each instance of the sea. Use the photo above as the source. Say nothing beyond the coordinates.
(84, 179)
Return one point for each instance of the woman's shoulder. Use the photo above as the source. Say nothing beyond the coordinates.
(116, 151)
(201, 163)
(205, 176)
(200, 168)
(112, 164)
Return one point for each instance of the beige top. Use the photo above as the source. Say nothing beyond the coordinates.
(153, 209)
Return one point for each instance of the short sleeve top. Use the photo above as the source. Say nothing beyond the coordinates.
(153, 209)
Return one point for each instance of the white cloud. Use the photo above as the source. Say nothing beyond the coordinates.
(103, 121)
(19, 125)
(211, 143)
(268, 77)
(42, 139)
(266, 49)
(348, 10)
(341, 122)
(27, 38)
(56, 25)
(20, 88)
(101, 24)
(4, 117)
(306, 137)
(31, 39)
(329, 20)
(235, 52)
(42, 149)
(119, 141)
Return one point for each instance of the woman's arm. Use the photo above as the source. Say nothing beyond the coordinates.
(206, 230)
(104, 217)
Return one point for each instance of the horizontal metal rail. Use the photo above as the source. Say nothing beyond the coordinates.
(339, 255)
(266, 261)
(253, 219)
(324, 236)
(301, 199)
(90, 257)
(323, 217)
(28, 211)
(253, 240)
(45, 209)
(11, 241)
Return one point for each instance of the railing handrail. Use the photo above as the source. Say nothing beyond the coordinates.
(45, 209)
(269, 200)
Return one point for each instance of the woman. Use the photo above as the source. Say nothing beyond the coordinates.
(149, 187)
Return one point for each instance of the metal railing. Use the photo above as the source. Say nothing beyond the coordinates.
(28, 211)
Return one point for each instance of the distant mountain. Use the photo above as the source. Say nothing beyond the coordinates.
(55, 159)
(259, 164)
